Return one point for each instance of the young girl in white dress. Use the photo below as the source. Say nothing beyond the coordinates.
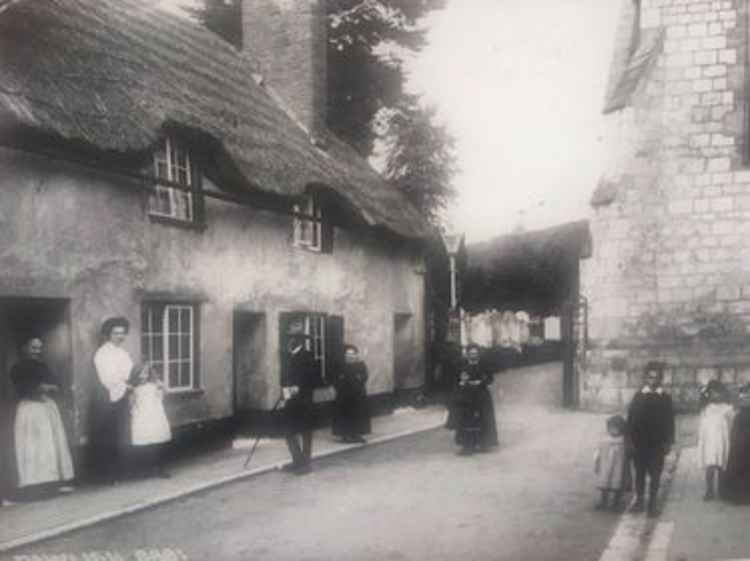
(149, 426)
(713, 435)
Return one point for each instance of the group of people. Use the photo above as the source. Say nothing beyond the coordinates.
(647, 437)
(643, 441)
(351, 417)
(129, 423)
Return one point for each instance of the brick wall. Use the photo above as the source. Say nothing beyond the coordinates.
(669, 277)
(287, 38)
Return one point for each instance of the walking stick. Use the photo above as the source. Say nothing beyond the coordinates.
(257, 440)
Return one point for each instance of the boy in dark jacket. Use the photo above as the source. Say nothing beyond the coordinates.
(651, 433)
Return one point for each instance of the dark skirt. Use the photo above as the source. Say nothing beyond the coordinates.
(299, 415)
(351, 415)
(472, 416)
(109, 435)
(735, 482)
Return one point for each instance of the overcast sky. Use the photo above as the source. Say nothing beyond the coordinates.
(521, 85)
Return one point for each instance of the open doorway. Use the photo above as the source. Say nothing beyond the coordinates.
(403, 350)
(250, 381)
(48, 318)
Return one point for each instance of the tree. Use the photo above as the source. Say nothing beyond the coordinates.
(362, 78)
(420, 157)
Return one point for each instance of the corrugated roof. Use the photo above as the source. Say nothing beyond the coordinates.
(113, 73)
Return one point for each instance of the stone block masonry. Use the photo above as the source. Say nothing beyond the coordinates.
(670, 266)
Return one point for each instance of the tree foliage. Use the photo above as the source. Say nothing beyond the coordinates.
(420, 157)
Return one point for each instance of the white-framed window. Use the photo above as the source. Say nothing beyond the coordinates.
(172, 163)
(308, 230)
(168, 342)
(315, 329)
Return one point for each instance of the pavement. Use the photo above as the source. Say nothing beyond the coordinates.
(692, 529)
(27, 523)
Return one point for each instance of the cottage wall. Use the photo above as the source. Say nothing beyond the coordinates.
(72, 233)
(669, 277)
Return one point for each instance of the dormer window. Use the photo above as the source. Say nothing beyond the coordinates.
(308, 224)
(172, 163)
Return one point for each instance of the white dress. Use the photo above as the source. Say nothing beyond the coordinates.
(713, 435)
(148, 420)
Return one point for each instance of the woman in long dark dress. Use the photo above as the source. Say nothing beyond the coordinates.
(475, 409)
(110, 433)
(43, 458)
(736, 481)
(351, 416)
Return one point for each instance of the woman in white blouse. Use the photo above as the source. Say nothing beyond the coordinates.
(113, 369)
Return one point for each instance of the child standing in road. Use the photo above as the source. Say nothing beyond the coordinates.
(611, 464)
(713, 435)
(149, 427)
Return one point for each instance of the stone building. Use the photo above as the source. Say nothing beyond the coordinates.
(149, 169)
(669, 274)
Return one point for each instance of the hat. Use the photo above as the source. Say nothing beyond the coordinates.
(296, 327)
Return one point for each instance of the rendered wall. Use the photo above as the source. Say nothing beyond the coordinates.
(70, 232)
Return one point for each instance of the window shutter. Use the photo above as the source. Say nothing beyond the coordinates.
(326, 243)
(199, 204)
(334, 347)
(284, 321)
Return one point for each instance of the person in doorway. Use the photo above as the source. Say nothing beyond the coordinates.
(611, 465)
(351, 418)
(297, 385)
(714, 433)
(736, 482)
(473, 391)
(43, 460)
(651, 433)
(149, 426)
(111, 419)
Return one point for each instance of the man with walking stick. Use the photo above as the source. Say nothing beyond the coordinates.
(297, 384)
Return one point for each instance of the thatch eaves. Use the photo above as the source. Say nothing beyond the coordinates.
(534, 271)
(113, 74)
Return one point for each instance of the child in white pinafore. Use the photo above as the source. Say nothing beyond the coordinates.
(714, 434)
(611, 464)
(149, 426)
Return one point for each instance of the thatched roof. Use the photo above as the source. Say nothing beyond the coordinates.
(112, 74)
(533, 271)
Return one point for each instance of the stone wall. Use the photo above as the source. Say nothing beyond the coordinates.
(669, 275)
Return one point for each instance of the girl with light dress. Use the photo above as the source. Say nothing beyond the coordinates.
(714, 434)
(149, 426)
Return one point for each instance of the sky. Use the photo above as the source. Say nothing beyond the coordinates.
(520, 85)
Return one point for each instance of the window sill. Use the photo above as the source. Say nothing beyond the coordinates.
(181, 395)
(168, 220)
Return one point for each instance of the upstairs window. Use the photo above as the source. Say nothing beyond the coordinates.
(310, 229)
(173, 164)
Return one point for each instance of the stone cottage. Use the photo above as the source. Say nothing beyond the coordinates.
(149, 169)
(669, 275)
